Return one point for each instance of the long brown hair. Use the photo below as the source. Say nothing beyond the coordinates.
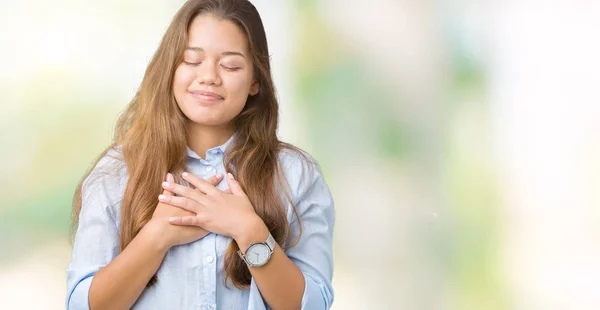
(153, 133)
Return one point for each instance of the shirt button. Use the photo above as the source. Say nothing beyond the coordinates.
(209, 168)
(209, 259)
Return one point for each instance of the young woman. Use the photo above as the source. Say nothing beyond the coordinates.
(197, 204)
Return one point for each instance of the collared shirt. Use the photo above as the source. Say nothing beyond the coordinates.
(191, 275)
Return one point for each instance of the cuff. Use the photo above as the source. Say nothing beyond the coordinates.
(317, 295)
(255, 299)
(78, 299)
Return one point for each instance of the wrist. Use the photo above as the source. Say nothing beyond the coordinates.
(254, 231)
(153, 235)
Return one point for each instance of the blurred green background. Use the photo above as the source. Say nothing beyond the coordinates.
(460, 139)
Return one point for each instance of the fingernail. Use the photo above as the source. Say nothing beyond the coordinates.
(165, 184)
(185, 174)
(162, 197)
(170, 177)
(218, 176)
(172, 219)
(230, 176)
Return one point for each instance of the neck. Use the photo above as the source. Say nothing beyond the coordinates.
(203, 138)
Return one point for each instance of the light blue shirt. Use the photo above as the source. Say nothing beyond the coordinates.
(191, 275)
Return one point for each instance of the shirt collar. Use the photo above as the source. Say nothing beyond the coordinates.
(217, 149)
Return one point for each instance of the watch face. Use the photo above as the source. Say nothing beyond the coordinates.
(258, 254)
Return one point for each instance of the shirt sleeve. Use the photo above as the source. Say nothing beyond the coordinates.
(313, 254)
(97, 237)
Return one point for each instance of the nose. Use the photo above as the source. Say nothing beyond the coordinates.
(208, 74)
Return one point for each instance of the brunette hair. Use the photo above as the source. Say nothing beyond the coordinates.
(153, 133)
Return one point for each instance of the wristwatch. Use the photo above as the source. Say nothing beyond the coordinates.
(258, 253)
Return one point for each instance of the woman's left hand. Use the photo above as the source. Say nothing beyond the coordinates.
(229, 213)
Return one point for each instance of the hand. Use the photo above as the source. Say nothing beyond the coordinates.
(227, 213)
(173, 235)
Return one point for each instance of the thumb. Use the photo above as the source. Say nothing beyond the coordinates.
(234, 185)
(171, 180)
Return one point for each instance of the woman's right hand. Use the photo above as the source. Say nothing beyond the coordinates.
(172, 235)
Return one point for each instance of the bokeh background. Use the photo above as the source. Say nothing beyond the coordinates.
(460, 138)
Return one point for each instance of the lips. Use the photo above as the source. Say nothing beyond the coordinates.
(205, 95)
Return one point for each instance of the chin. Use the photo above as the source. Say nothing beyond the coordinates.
(203, 120)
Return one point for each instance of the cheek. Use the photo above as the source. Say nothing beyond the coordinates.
(238, 86)
(182, 79)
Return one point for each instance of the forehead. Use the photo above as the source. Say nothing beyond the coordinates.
(214, 34)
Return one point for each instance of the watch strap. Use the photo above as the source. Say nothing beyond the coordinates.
(270, 242)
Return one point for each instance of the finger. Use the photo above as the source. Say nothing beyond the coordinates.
(215, 179)
(200, 184)
(184, 191)
(185, 221)
(181, 202)
(169, 179)
(234, 185)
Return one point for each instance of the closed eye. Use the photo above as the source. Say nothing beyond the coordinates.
(193, 64)
(230, 68)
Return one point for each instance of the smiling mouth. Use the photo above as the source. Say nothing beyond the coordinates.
(205, 96)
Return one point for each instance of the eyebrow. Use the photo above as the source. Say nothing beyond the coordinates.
(226, 53)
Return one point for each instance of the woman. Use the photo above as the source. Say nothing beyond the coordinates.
(242, 221)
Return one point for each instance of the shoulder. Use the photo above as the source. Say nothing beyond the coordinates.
(296, 159)
(298, 168)
(311, 199)
(107, 179)
(302, 173)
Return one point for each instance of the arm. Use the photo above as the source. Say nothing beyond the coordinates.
(299, 278)
(98, 278)
(280, 281)
(120, 283)
(306, 268)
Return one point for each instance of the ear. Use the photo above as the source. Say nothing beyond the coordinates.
(254, 88)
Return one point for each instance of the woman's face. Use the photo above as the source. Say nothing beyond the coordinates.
(213, 82)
